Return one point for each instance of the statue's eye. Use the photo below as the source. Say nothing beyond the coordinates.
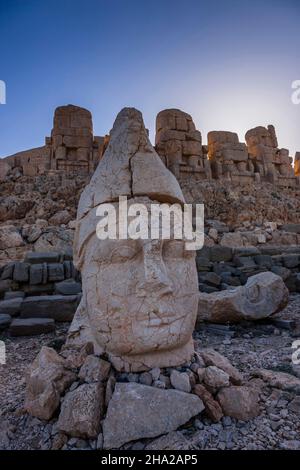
(122, 253)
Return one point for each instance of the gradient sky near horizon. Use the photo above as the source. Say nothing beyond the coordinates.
(229, 63)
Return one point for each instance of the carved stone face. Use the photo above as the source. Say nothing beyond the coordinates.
(141, 297)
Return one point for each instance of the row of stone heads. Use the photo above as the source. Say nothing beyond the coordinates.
(179, 144)
(73, 148)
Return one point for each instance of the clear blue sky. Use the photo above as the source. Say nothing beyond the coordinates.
(229, 63)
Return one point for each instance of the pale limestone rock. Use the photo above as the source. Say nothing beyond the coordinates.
(162, 411)
(94, 369)
(139, 296)
(47, 380)
(10, 237)
(213, 358)
(81, 411)
(280, 380)
(215, 378)
(239, 402)
(232, 240)
(264, 295)
(180, 381)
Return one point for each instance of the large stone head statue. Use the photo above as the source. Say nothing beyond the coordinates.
(140, 297)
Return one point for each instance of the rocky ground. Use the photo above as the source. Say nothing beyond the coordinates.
(249, 347)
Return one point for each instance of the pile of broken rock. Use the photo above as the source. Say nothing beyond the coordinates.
(83, 396)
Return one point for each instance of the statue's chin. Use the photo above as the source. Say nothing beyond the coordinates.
(159, 358)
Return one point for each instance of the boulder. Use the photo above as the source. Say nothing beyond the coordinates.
(264, 295)
(180, 381)
(239, 402)
(10, 237)
(47, 380)
(215, 378)
(232, 240)
(14, 294)
(31, 326)
(138, 411)
(81, 411)
(43, 257)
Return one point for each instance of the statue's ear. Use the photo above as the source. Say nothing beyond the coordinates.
(85, 230)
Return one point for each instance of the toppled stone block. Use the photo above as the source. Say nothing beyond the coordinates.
(11, 307)
(162, 411)
(31, 326)
(81, 411)
(47, 380)
(18, 294)
(59, 307)
(38, 258)
(262, 296)
(5, 321)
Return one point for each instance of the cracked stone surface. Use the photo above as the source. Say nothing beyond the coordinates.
(140, 297)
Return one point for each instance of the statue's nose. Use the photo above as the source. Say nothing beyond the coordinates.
(159, 285)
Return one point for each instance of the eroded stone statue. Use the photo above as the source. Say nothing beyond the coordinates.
(140, 297)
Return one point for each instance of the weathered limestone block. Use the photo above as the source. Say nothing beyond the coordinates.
(47, 380)
(180, 145)
(228, 157)
(239, 402)
(73, 147)
(139, 296)
(138, 411)
(262, 296)
(273, 164)
(81, 411)
(11, 307)
(59, 307)
(31, 326)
